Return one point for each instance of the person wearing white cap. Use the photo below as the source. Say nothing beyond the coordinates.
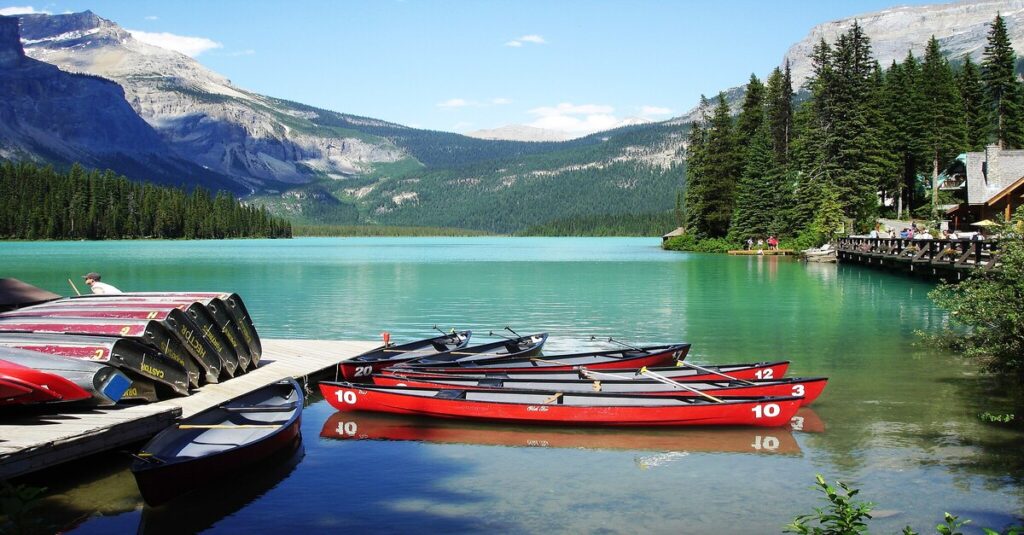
(93, 280)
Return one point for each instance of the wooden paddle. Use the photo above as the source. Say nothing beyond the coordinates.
(223, 426)
(560, 363)
(713, 372)
(666, 380)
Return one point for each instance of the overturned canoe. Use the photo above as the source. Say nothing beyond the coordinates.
(105, 384)
(199, 335)
(219, 441)
(220, 304)
(143, 331)
(137, 360)
(480, 355)
(561, 408)
(211, 318)
(808, 388)
(40, 387)
(366, 364)
(619, 359)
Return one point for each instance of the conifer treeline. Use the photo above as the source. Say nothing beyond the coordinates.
(856, 145)
(40, 203)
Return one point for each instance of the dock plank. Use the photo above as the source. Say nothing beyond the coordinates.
(32, 442)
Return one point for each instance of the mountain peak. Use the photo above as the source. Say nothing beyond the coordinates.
(11, 52)
(86, 27)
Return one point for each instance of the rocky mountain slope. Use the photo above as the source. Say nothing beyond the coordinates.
(257, 140)
(96, 126)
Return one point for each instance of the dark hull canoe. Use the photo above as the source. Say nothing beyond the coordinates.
(230, 303)
(105, 384)
(148, 332)
(363, 366)
(199, 336)
(561, 408)
(372, 426)
(618, 359)
(501, 351)
(138, 361)
(212, 319)
(757, 370)
(212, 445)
(808, 388)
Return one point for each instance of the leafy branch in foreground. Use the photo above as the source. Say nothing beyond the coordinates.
(987, 309)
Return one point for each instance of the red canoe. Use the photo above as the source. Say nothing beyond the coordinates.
(559, 408)
(45, 386)
(809, 388)
(600, 360)
(10, 389)
(757, 370)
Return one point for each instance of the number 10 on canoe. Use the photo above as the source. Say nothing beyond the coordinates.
(346, 396)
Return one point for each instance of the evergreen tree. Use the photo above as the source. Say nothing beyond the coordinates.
(696, 179)
(945, 131)
(755, 206)
(779, 105)
(751, 113)
(1001, 86)
(907, 115)
(722, 165)
(972, 97)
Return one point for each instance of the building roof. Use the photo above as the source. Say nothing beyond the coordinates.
(677, 232)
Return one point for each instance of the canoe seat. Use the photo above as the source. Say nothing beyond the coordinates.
(493, 383)
(450, 394)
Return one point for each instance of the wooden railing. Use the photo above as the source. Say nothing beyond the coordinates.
(954, 254)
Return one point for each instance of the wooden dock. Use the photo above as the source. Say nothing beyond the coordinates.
(32, 442)
(763, 252)
(936, 258)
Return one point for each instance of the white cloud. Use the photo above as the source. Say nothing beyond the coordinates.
(463, 103)
(568, 108)
(454, 103)
(190, 46)
(152, 17)
(654, 111)
(19, 10)
(579, 119)
(532, 38)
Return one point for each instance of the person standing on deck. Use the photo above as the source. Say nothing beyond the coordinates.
(93, 280)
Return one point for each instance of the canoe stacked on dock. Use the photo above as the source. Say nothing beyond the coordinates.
(620, 387)
(166, 343)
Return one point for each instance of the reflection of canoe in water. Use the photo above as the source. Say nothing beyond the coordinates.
(355, 426)
(202, 509)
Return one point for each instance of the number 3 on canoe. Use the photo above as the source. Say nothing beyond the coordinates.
(798, 390)
(348, 396)
(770, 410)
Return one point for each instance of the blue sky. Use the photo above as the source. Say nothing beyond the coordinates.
(467, 65)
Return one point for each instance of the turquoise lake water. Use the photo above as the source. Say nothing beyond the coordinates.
(898, 420)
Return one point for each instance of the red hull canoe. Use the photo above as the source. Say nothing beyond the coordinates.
(558, 408)
(361, 367)
(216, 443)
(46, 387)
(809, 388)
(10, 389)
(370, 426)
(618, 359)
(758, 370)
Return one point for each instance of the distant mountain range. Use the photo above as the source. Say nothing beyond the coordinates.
(155, 114)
